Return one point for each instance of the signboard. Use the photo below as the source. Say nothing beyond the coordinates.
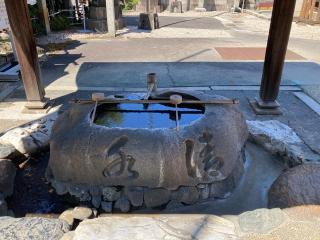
(4, 22)
(264, 4)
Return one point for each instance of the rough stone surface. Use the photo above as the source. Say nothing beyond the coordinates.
(173, 204)
(296, 186)
(8, 151)
(3, 206)
(68, 236)
(135, 195)
(110, 194)
(204, 191)
(261, 220)
(153, 158)
(78, 191)
(32, 228)
(7, 176)
(187, 195)
(106, 206)
(81, 213)
(222, 189)
(96, 201)
(123, 204)
(31, 138)
(61, 189)
(160, 227)
(95, 193)
(278, 138)
(156, 197)
(68, 217)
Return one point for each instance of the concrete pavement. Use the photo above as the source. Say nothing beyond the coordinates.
(187, 51)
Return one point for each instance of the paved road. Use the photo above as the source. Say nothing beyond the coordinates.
(179, 57)
(181, 22)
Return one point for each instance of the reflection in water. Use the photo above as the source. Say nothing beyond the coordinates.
(144, 116)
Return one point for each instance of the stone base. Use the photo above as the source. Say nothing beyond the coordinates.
(124, 199)
(148, 21)
(32, 107)
(100, 25)
(262, 110)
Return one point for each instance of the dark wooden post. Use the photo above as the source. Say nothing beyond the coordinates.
(280, 27)
(22, 32)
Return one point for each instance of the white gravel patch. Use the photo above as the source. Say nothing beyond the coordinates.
(167, 32)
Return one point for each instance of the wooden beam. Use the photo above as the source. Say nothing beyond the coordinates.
(111, 18)
(280, 27)
(23, 38)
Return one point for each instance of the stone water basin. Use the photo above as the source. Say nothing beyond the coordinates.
(137, 149)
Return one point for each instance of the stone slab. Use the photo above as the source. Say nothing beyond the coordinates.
(32, 228)
(280, 139)
(173, 227)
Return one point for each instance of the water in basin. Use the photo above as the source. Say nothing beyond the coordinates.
(145, 116)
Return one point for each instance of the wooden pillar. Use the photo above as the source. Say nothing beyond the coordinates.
(111, 18)
(44, 14)
(280, 27)
(21, 28)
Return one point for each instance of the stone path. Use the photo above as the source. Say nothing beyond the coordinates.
(294, 224)
(297, 223)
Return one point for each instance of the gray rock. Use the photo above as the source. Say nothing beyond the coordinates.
(95, 212)
(106, 206)
(7, 176)
(135, 195)
(222, 189)
(204, 191)
(173, 204)
(123, 204)
(279, 138)
(110, 194)
(8, 151)
(296, 186)
(32, 228)
(3, 206)
(96, 201)
(82, 213)
(157, 227)
(261, 220)
(60, 188)
(80, 192)
(68, 236)
(68, 217)
(187, 195)
(156, 197)
(31, 138)
(95, 193)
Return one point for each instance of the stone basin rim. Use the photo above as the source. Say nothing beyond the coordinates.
(185, 94)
